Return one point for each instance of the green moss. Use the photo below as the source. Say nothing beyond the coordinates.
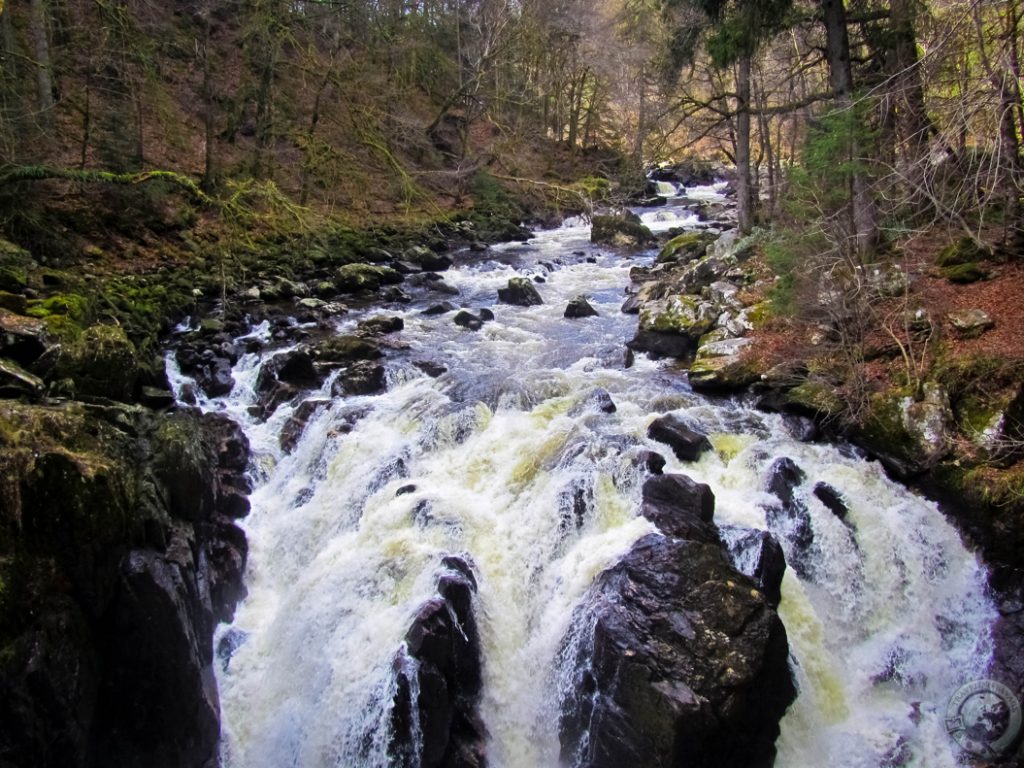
(962, 252)
(13, 279)
(970, 272)
(818, 397)
(595, 188)
(355, 277)
(684, 247)
(73, 306)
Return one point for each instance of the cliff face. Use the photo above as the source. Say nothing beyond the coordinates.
(118, 556)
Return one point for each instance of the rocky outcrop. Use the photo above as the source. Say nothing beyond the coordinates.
(679, 660)
(119, 556)
(579, 307)
(435, 722)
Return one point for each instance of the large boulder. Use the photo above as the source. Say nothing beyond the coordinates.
(684, 316)
(679, 660)
(721, 366)
(789, 520)
(441, 661)
(620, 231)
(684, 248)
(680, 507)
(579, 307)
(102, 363)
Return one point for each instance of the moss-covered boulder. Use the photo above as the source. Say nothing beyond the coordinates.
(364, 277)
(721, 366)
(683, 315)
(908, 435)
(621, 231)
(101, 363)
(963, 251)
(971, 323)
(964, 274)
(521, 292)
(685, 247)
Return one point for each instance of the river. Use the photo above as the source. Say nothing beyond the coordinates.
(492, 457)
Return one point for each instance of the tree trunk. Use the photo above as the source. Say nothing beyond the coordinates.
(41, 44)
(863, 230)
(744, 199)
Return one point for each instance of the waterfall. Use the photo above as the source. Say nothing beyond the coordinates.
(507, 460)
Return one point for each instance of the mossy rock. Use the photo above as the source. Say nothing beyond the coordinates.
(364, 277)
(75, 307)
(685, 247)
(102, 362)
(595, 188)
(962, 252)
(963, 274)
(817, 397)
(682, 315)
(620, 232)
(13, 279)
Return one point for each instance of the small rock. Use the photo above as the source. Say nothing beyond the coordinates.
(439, 309)
(381, 324)
(156, 398)
(832, 499)
(468, 320)
(604, 401)
(433, 370)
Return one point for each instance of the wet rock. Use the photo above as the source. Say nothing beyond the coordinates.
(486, 314)
(832, 499)
(102, 363)
(442, 654)
(660, 344)
(687, 317)
(758, 555)
(721, 366)
(790, 521)
(380, 325)
(439, 309)
(293, 428)
(362, 378)
(467, 319)
(631, 306)
(580, 307)
(519, 291)
(340, 350)
(684, 248)
(621, 231)
(680, 661)
(427, 259)
(686, 443)
(156, 397)
(654, 462)
(432, 369)
(604, 401)
(680, 507)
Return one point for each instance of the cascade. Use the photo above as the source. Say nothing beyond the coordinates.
(508, 461)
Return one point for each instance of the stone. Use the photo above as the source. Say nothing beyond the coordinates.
(156, 397)
(971, 323)
(680, 507)
(684, 248)
(521, 292)
(678, 660)
(832, 499)
(361, 378)
(439, 309)
(364, 277)
(468, 320)
(660, 344)
(758, 555)
(15, 381)
(621, 231)
(604, 401)
(427, 259)
(790, 521)
(293, 428)
(682, 315)
(339, 350)
(442, 726)
(687, 444)
(721, 366)
(631, 306)
(579, 307)
(381, 324)
(102, 363)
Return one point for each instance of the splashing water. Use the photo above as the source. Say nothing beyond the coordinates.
(507, 460)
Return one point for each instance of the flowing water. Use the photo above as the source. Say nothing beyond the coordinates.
(507, 459)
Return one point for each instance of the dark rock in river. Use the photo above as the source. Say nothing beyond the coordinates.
(381, 324)
(832, 499)
(758, 555)
(520, 291)
(680, 507)
(620, 231)
(580, 307)
(790, 521)
(442, 652)
(679, 662)
(686, 443)
(362, 378)
(467, 319)
(662, 344)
